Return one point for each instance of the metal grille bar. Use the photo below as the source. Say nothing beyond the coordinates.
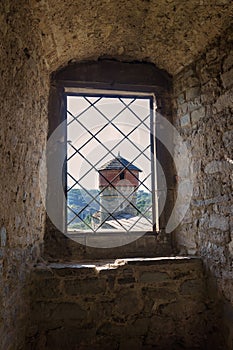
(110, 216)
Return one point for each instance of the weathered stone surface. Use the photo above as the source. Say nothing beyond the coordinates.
(37, 38)
(216, 167)
(126, 280)
(65, 335)
(192, 93)
(67, 310)
(231, 248)
(185, 120)
(228, 139)
(135, 343)
(91, 286)
(223, 102)
(47, 289)
(150, 277)
(228, 61)
(23, 128)
(3, 237)
(94, 31)
(206, 228)
(192, 287)
(227, 78)
(197, 115)
(181, 99)
(219, 222)
(195, 104)
(158, 310)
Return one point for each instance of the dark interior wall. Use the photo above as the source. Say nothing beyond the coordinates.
(23, 129)
(204, 107)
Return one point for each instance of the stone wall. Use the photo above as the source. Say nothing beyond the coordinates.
(204, 106)
(23, 129)
(142, 304)
(38, 37)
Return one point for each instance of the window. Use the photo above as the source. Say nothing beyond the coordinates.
(81, 95)
(110, 179)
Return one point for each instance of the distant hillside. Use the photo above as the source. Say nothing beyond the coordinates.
(85, 205)
(78, 200)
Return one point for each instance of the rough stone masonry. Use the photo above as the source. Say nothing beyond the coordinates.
(192, 42)
(160, 303)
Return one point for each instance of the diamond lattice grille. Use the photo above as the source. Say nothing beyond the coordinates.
(110, 162)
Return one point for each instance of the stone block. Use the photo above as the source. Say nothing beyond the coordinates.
(197, 115)
(192, 81)
(46, 289)
(139, 327)
(41, 272)
(230, 246)
(183, 310)
(133, 343)
(66, 336)
(210, 91)
(169, 293)
(162, 327)
(126, 280)
(193, 93)
(187, 73)
(211, 55)
(224, 101)
(152, 277)
(73, 270)
(228, 139)
(115, 330)
(192, 287)
(84, 286)
(213, 187)
(183, 108)
(215, 166)
(127, 303)
(219, 222)
(214, 200)
(194, 104)
(228, 62)
(227, 79)
(3, 237)
(185, 121)
(180, 99)
(67, 311)
(220, 238)
(100, 343)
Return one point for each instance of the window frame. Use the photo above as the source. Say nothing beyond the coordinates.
(110, 75)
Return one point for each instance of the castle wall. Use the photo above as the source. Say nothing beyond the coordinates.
(113, 201)
(23, 130)
(204, 114)
(139, 304)
(40, 37)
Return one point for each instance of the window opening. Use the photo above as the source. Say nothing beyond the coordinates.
(110, 162)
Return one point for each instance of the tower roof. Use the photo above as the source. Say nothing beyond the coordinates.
(119, 163)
